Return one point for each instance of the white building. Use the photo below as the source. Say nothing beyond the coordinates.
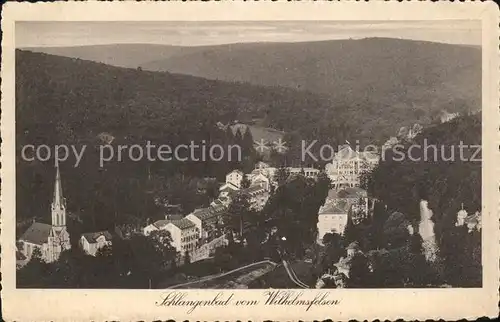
(53, 239)
(348, 165)
(339, 205)
(234, 178)
(205, 220)
(183, 232)
(259, 179)
(332, 218)
(308, 172)
(92, 242)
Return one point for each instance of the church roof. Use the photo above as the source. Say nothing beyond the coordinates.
(38, 233)
(92, 237)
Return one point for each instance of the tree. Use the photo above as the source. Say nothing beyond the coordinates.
(162, 242)
(187, 258)
(238, 211)
(359, 274)
(332, 251)
(281, 176)
(245, 182)
(351, 232)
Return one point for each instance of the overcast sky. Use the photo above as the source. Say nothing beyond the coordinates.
(36, 34)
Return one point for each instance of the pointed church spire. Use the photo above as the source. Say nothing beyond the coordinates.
(58, 200)
(58, 206)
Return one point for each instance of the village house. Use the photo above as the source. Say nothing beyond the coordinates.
(265, 169)
(344, 264)
(233, 181)
(91, 243)
(338, 206)
(50, 240)
(259, 179)
(205, 219)
(348, 165)
(472, 222)
(184, 233)
(257, 196)
(332, 217)
(234, 177)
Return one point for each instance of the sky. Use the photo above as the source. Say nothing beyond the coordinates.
(41, 34)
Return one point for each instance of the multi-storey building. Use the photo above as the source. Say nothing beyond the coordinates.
(348, 165)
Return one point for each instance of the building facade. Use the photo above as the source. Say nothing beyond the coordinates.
(184, 233)
(332, 218)
(234, 178)
(348, 165)
(340, 204)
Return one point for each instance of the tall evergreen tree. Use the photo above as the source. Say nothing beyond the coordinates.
(359, 274)
(351, 233)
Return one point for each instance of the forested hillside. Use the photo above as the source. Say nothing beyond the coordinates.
(70, 101)
(446, 183)
(382, 83)
(375, 76)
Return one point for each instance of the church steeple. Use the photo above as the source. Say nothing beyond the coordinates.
(58, 206)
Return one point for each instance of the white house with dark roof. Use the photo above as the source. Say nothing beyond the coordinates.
(92, 242)
(234, 178)
(205, 219)
(52, 239)
(332, 217)
(184, 233)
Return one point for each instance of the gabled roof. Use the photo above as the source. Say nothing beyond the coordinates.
(38, 233)
(254, 189)
(237, 171)
(332, 208)
(92, 237)
(161, 223)
(346, 153)
(205, 214)
(173, 216)
(347, 193)
(183, 223)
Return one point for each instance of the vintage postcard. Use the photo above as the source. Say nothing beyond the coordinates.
(249, 161)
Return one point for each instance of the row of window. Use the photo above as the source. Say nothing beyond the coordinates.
(189, 238)
(188, 247)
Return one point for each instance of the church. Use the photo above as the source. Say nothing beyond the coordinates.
(52, 239)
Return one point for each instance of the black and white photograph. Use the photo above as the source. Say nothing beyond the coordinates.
(273, 155)
(248, 154)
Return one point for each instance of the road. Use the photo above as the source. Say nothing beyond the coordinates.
(211, 281)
